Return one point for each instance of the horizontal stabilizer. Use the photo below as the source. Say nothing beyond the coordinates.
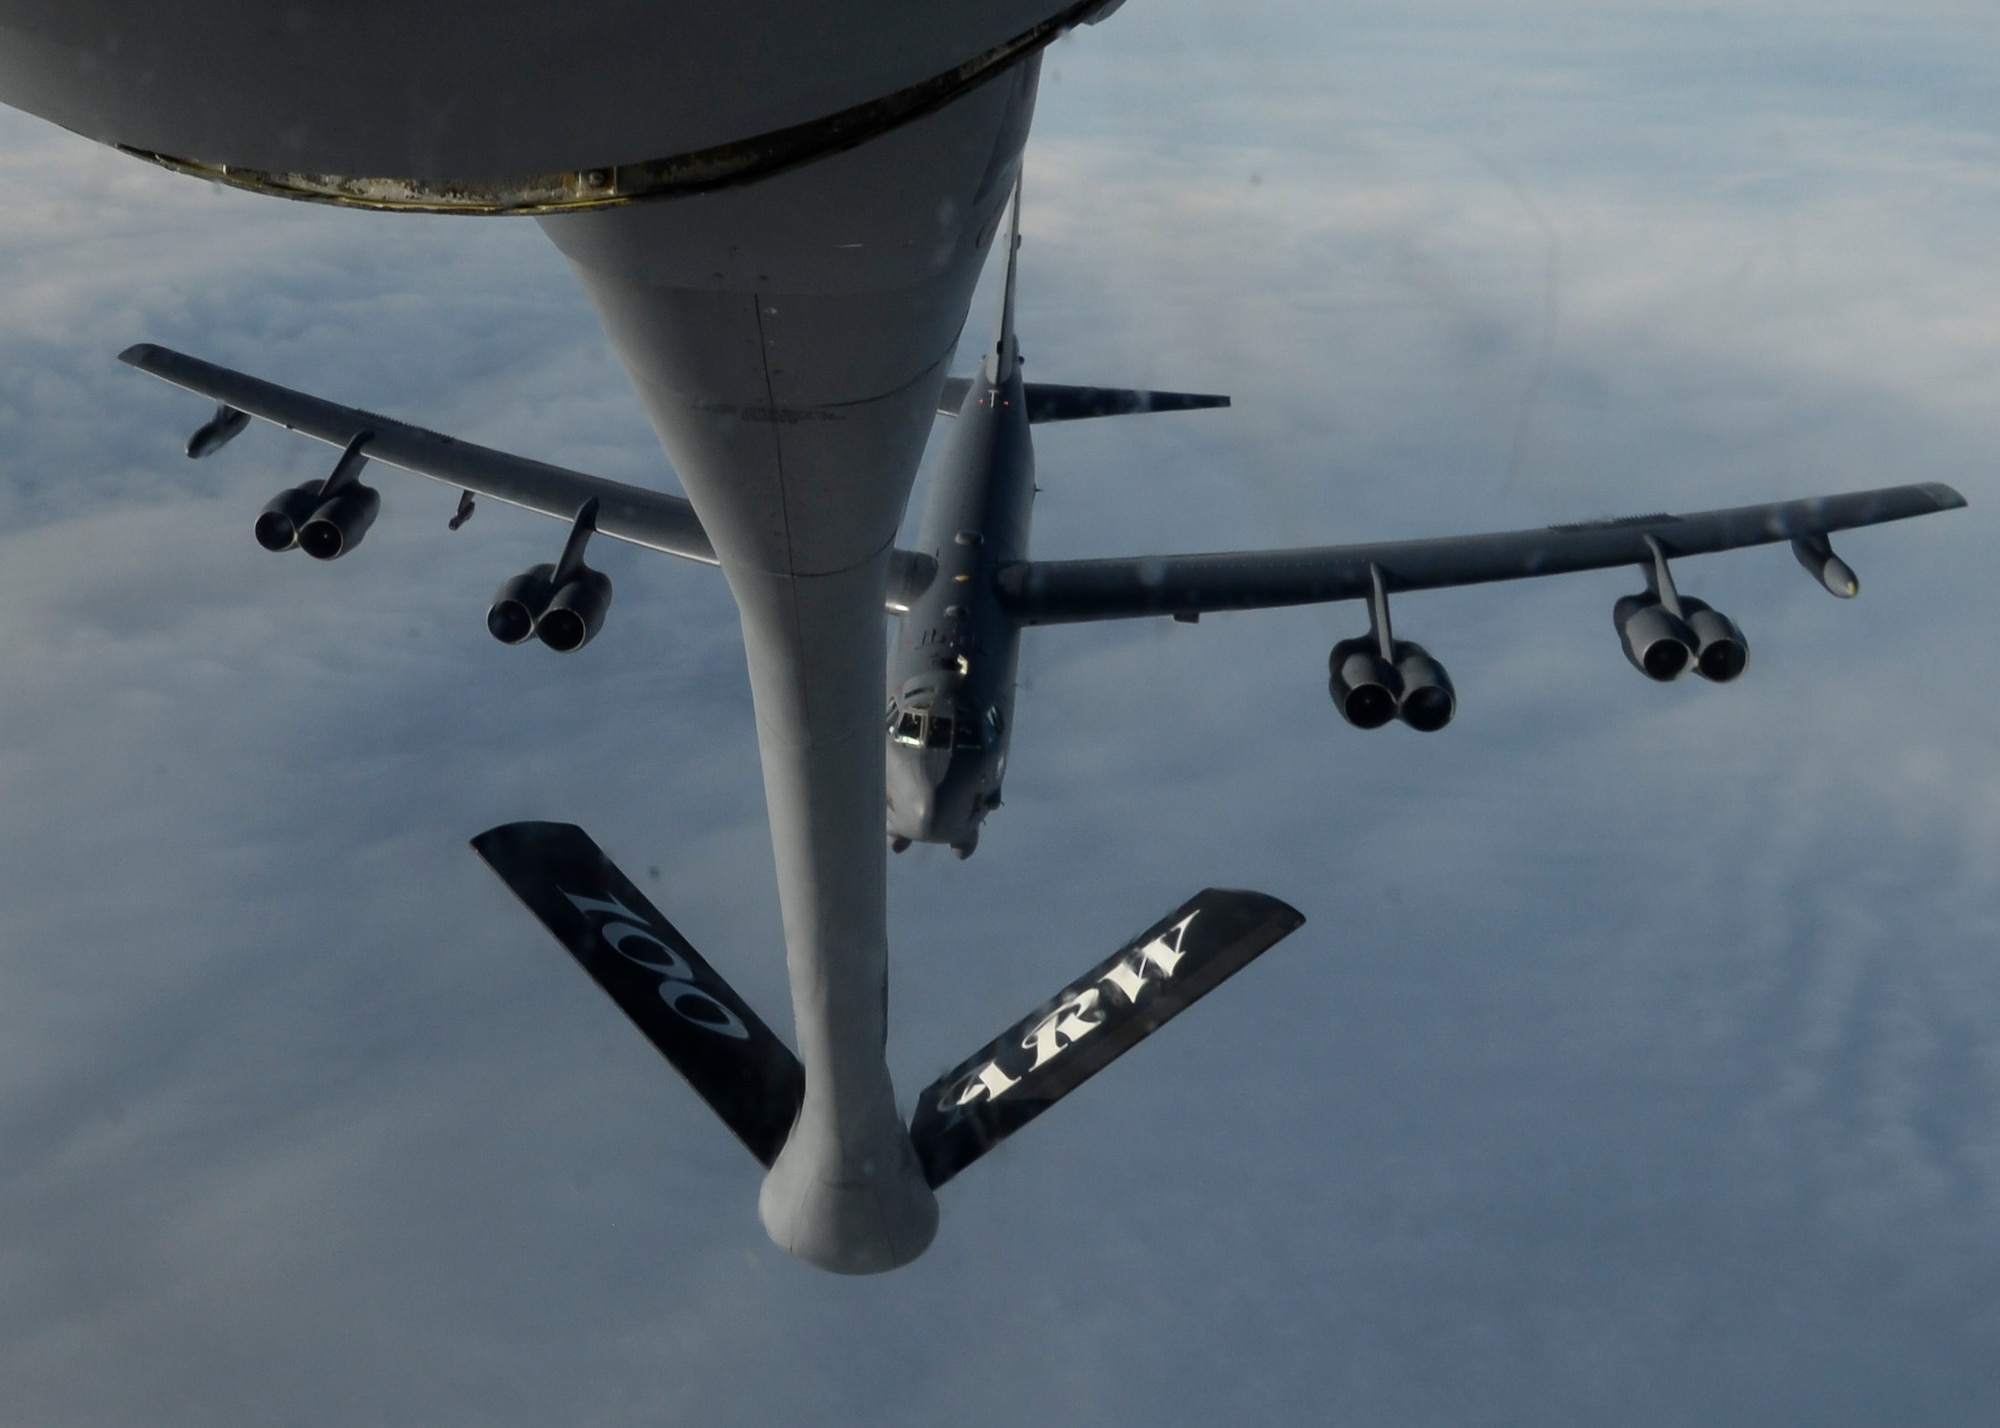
(1092, 1022)
(1048, 401)
(734, 1062)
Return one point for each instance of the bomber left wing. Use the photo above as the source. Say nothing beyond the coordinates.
(1377, 677)
(1041, 592)
(630, 513)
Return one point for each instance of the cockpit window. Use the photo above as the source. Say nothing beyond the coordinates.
(962, 728)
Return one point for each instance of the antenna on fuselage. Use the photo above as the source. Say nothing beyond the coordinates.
(1001, 362)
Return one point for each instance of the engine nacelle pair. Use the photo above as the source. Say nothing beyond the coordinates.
(325, 519)
(1664, 646)
(1369, 691)
(565, 617)
(325, 528)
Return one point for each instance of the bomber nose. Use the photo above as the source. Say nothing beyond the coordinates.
(914, 802)
(916, 808)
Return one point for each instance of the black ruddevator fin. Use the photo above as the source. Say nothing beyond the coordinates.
(1092, 1022)
(737, 1064)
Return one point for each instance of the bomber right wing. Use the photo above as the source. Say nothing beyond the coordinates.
(629, 513)
(652, 519)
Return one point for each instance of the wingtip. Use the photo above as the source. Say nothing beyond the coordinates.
(137, 354)
(530, 827)
(1947, 497)
(1276, 908)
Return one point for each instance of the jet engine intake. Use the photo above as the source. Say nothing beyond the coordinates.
(1427, 701)
(338, 525)
(519, 603)
(1659, 645)
(1365, 687)
(564, 604)
(278, 523)
(1721, 652)
(576, 614)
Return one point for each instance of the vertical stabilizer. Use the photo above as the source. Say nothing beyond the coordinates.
(1005, 358)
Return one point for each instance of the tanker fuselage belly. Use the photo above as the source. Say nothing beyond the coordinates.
(464, 93)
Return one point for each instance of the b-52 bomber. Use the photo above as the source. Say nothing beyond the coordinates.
(961, 599)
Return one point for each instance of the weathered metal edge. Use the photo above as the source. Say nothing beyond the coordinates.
(614, 185)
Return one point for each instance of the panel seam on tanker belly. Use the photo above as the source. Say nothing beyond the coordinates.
(784, 496)
(777, 440)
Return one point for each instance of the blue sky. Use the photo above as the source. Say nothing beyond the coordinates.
(1640, 1059)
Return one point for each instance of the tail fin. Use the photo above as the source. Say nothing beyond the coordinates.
(1046, 401)
(1092, 1022)
(1005, 359)
(692, 1016)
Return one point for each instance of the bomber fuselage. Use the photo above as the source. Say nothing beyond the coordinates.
(952, 668)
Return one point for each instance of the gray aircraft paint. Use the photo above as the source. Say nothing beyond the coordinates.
(351, 101)
(956, 652)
